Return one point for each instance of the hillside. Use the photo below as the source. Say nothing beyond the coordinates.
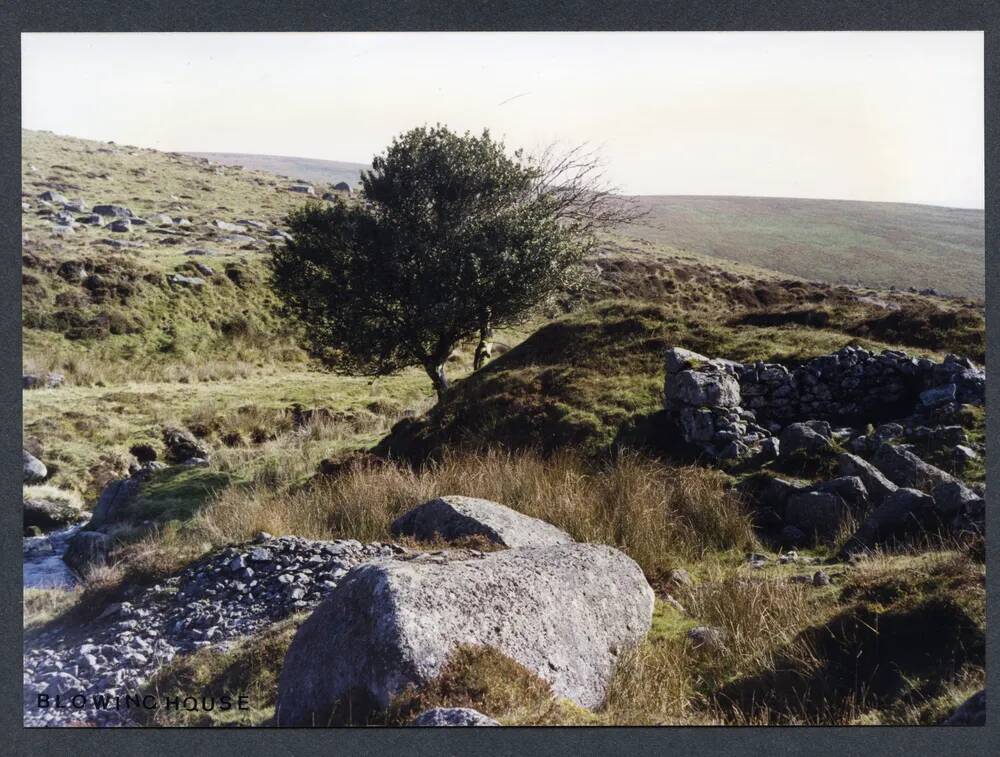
(232, 482)
(870, 243)
(305, 169)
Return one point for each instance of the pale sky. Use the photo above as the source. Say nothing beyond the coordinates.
(887, 116)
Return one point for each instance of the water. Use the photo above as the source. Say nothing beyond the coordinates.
(43, 564)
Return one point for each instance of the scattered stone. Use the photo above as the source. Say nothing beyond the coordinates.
(679, 577)
(817, 513)
(302, 189)
(115, 503)
(904, 512)
(452, 716)
(181, 445)
(454, 517)
(904, 468)
(848, 488)
(86, 550)
(820, 578)
(120, 225)
(54, 197)
(42, 380)
(193, 282)
(877, 485)
(953, 498)
(117, 211)
(707, 638)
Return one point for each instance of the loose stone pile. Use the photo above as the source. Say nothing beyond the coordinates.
(230, 594)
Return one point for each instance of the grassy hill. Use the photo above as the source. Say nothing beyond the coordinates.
(307, 169)
(141, 350)
(871, 243)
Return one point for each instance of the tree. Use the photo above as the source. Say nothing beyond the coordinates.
(452, 238)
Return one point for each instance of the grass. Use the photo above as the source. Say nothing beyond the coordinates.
(249, 669)
(578, 380)
(664, 517)
(876, 244)
(658, 514)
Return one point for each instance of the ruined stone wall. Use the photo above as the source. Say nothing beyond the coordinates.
(855, 385)
(730, 409)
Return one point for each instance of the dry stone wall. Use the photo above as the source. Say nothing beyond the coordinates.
(731, 410)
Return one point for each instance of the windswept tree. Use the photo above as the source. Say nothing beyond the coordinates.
(452, 237)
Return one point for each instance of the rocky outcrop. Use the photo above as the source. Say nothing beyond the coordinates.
(452, 716)
(452, 518)
(565, 611)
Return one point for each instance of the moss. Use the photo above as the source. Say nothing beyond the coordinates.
(488, 681)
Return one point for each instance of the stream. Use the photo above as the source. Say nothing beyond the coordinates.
(43, 564)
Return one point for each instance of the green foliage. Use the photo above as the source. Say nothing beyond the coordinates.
(453, 238)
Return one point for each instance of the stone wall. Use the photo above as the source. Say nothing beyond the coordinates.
(855, 385)
(730, 410)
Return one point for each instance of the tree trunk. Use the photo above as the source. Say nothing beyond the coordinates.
(438, 378)
(485, 347)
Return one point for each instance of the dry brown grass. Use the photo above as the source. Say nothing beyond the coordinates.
(658, 514)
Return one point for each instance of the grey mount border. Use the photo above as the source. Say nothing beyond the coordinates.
(426, 15)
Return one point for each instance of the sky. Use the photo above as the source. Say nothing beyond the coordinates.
(881, 116)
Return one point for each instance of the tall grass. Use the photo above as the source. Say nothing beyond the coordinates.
(658, 514)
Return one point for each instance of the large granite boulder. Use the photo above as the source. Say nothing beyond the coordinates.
(801, 438)
(453, 517)
(46, 512)
(86, 550)
(816, 513)
(903, 513)
(904, 468)
(33, 468)
(564, 611)
(877, 485)
(114, 504)
(452, 716)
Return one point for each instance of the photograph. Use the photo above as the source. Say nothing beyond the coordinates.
(481, 378)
